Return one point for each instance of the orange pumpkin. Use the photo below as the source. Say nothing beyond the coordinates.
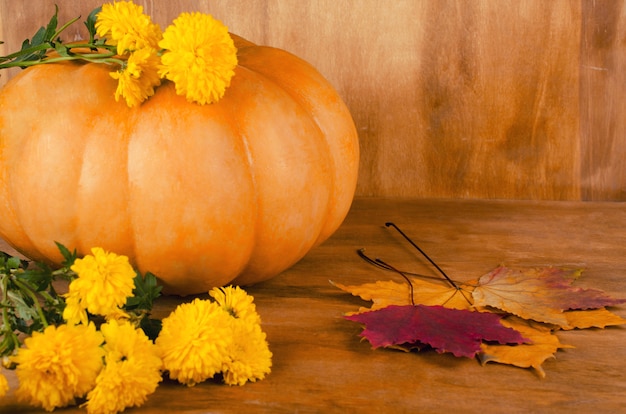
(201, 196)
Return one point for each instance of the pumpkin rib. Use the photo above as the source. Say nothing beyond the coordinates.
(291, 76)
(48, 186)
(103, 183)
(247, 84)
(9, 224)
(251, 164)
(192, 230)
(9, 154)
(104, 177)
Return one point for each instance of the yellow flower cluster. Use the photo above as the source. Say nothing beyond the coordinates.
(116, 365)
(196, 53)
(203, 338)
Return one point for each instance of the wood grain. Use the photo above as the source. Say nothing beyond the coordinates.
(321, 366)
(483, 99)
(603, 100)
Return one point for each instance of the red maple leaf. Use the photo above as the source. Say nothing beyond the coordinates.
(460, 332)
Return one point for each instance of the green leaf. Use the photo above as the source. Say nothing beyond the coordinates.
(51, 28)
(40, 279)
(4, 258)
(37, 39)
(13, 263)
(9, 262)
(151, 327)
(9, 342)
(70, 257)
(62, 50)
(91, 23)
(145, 292)
(54, 313)
(43, 37)
(23, 306)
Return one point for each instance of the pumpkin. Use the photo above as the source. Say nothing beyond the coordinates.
(200, 195)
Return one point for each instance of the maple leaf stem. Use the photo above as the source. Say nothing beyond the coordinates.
(376, 262)
(379, 263)
(454, 285)
(383, 265)
(362, 255)
(403, 275)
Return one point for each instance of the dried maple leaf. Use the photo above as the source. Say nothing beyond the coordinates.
(460, 332)
(385, 293)
(543, 344)
(591, 318)
(506, 306)
(541, 294)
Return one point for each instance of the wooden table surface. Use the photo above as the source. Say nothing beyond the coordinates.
(320, 365)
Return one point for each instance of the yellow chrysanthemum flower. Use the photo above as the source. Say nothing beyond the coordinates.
(104, 282)
(200, 57)
(250, 358)
(74, 311)
(124, 24)
(132, 370)
(4, 385)
(138, 78)
(58, 365)
(194, 341)
(237, 302)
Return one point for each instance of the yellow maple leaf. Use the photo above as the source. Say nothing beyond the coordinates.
(591, 318)
(385, 293)
(532, 355)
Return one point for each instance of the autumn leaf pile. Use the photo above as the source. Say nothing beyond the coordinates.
(508, 316)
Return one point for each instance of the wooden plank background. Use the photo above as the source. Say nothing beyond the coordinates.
(516, 99)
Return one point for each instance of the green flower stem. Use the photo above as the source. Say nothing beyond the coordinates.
(26, 51)
(5, 301)
(65, 273)
(10, 340)
(65, 26)
(109, 61)
(106, 58)
(47, 297)
(25, 288)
